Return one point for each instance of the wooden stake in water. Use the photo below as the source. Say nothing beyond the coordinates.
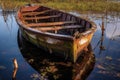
(15, 69)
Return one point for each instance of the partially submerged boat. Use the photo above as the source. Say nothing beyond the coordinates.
(55, 31)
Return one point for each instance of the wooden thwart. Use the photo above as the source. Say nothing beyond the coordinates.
(59, 27)
(43, 17)
(32, 25)
(35, 13)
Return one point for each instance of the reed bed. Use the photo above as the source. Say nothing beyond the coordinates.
(96, 6)
(10, 5)
(77, 5)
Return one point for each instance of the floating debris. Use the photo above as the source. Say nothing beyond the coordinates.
(51, 69)
(118, 59)
(116, 38)
(31, 61)
(2, 67)
(102, 48)
(103, 72)
(56, 76)
(15, 68)
(118, 75)
(100, 67)
(108, 58)
(37, 76)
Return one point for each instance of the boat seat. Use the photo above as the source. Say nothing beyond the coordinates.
(48, 24)
(42, 17)
(58, 27)
(36, 13)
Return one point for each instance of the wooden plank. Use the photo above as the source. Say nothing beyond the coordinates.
(47, 24)
(58, 27)
(43, 17)
(35, 13)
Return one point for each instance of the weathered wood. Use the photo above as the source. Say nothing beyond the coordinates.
(75, 38)
(36, 13)
(43, 17)
(49, 24)
(58, 27)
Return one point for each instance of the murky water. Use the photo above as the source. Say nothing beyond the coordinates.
(31, 60)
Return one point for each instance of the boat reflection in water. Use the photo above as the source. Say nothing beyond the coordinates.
(54, 67)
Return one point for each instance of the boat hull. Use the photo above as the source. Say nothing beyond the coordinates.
(52, 45)
(69, 45)
(69, 49)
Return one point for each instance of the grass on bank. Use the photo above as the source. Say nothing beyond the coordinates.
(10, 5)
(97, 6)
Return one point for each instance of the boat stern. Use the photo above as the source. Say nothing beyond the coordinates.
(81, 43)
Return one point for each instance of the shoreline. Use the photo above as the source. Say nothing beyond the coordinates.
(85, 6)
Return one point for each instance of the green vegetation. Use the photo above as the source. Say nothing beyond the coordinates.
(11, 4)
(79, 5)
(97, 6)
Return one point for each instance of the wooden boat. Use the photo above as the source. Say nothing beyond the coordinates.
(55, 31)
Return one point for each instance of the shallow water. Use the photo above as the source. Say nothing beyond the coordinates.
(105, 48)
(105, 44)
(9, 49)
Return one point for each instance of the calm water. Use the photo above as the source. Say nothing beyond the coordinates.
(105, 47)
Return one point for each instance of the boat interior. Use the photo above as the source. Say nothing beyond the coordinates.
(53, 21)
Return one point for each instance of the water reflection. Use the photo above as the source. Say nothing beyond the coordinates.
(102, 34)
(9, 50)
(100, 42)
(106, 44)
(107, 64)
(56, 67)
